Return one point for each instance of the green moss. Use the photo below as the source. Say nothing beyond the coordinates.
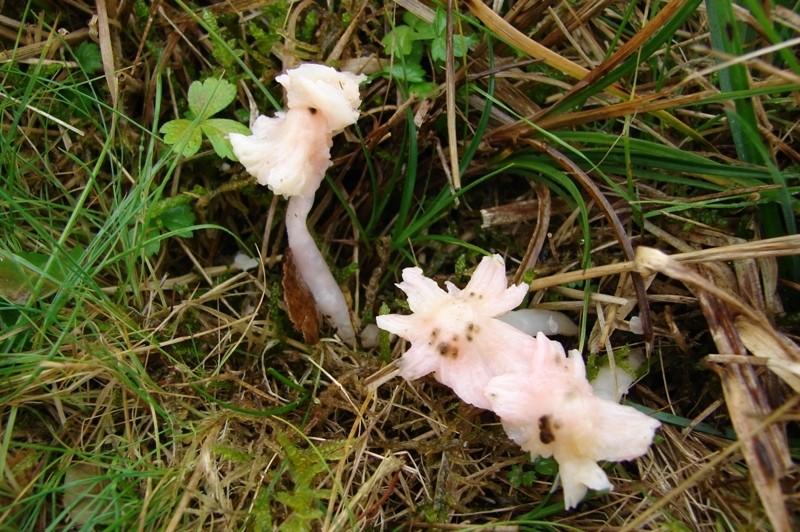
(305, 500)
(309, 26)
(232, 454)
(224, 48)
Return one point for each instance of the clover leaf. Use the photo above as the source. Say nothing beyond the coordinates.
(182, 134)
(399, 41)
(205, 100)
(210, 97)
(217, 129)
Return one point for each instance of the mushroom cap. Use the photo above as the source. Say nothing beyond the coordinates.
(333, 93)
(551, 411)
(455, 334)
(289, 152)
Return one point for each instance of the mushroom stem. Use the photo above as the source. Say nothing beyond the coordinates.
(314, 270)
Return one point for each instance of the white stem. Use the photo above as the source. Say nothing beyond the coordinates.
(534, 320)
(314, 270)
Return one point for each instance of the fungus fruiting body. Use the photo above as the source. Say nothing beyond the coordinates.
(544, 401)
(455, 334)
(290, 152)
(552, 411)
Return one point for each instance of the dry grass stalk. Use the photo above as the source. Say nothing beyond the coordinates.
(766, 451)
(772, 247)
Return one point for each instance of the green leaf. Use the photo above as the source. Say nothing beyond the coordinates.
(423, 27)
(440, 22)
(87, 54)
(210, 97)
(411, 73)
(152, 244)
(424, 89)
(519, 477)
(15, 282)
(462, 44)
(439, 49)
(546, 466)
(399, 41)
(217, 131)
(183, 134)
(178, 218)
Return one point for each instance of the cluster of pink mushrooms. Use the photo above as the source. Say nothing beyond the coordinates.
(464, 337)
(540, 393)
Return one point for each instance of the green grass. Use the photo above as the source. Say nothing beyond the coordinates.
(145, 383)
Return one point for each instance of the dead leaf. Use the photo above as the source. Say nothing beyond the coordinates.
(782, 355)
(299, 301)
(766, 452)
(83, 485)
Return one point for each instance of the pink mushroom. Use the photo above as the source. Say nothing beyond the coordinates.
(290, 153)
(541, 395)
(552, 411)
(456, 334)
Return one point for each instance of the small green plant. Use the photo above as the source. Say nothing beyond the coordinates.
(174, 215)
(88, 56)
(521, 476)
(402, 43)
(224, 47)
(205, 100)
(305, 500)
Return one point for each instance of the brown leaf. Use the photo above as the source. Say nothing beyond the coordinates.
(764, 448)
(299, 301)
(782, 355)
(83, 485)
(766, 452)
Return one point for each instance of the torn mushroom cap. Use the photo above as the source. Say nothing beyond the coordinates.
(290, 152)
(455, 334)
(551, 411)
(335, 94)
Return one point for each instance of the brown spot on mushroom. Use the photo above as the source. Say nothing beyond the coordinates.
(312, 110)
(545, 430)
(434, 334)
(471, 328)
(446, 350)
